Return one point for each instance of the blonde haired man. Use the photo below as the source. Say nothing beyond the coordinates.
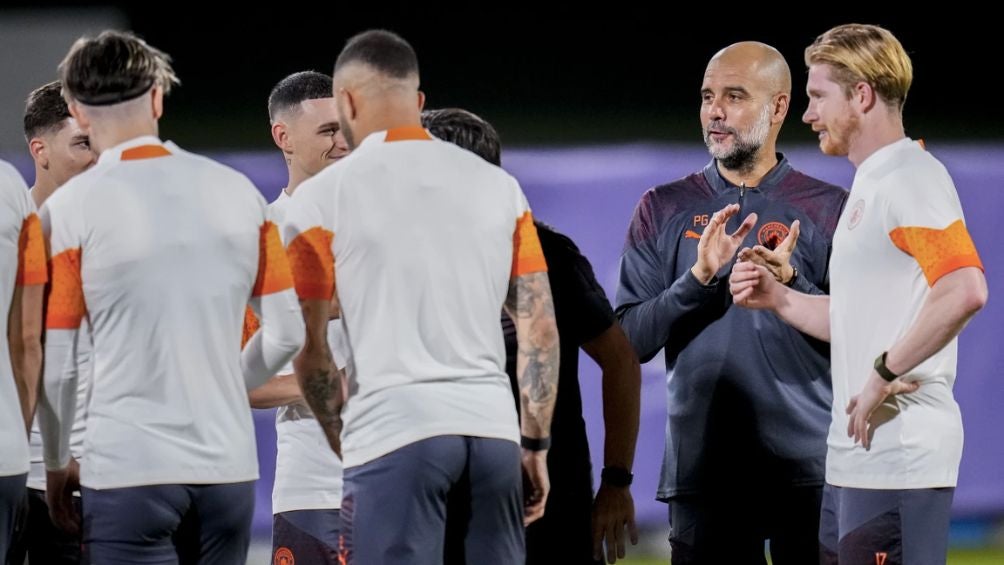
(905, 280)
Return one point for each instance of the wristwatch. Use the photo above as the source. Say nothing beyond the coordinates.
(794, 275)
(882, 370)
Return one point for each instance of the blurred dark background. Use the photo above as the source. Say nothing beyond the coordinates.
(541, 82)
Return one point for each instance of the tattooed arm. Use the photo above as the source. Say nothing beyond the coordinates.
(531, 308)
(320, 382)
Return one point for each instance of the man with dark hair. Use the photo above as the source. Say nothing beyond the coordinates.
(749, 397)
(307, 492)
(423, 263)
(468, 130)
(585, 319)
(61, 150)
(161, 250)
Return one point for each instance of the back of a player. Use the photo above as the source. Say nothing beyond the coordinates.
(423, 243)
(423, 266)
(171, 251)
(22, 263)
(161, 250)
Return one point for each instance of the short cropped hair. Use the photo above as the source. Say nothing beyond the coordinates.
(45, 110)
(297, 88)
(384, 51)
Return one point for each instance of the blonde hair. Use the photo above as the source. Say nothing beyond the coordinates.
(865, 53)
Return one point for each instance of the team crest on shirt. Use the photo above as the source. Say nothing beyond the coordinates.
(283, 556)
(772, 234)
(857, 212)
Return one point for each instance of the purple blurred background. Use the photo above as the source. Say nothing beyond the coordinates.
(589, 193)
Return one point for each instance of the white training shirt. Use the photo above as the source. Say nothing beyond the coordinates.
(424, 238)
(161, 250)
(901, 231)
(308, 474)
(36, 475)
(22, 263)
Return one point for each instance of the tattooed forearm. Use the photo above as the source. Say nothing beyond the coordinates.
(322, 389)
(530, 306)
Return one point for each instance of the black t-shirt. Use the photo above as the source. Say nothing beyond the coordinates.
(582, 312)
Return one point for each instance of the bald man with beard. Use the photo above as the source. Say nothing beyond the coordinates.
(748, 396)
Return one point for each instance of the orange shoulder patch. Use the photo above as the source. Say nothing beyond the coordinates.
(938, 252)
(313, 264)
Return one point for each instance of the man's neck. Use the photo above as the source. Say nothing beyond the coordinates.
(749, 176)
(868, 142)
(109, 136)
(294, 180)
(388, 117)
(42, 189)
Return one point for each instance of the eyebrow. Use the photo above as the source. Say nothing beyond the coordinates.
(329, 125)
(728, 89)
(82, 137)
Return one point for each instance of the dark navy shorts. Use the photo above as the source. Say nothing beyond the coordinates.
(885, 527)
(41, 541)
(305, 537)
(168, 524)
(394, 507)
(12, 498)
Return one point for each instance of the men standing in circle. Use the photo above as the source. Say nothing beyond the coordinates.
(427, 242)
(748, 399)
(307, 492)
(573, 528)
(60, 150)
(905, 280)
(161, 250)
(22, 280)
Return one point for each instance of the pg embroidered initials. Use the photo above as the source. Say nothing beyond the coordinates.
(702, 219)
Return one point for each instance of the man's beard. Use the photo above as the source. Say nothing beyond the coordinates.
(746, 146)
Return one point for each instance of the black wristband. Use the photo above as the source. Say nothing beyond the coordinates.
(617, 476)
(882, 370)
(535, 443)
(794, 275)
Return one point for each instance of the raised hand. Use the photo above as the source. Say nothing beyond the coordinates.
(777, 260)
(717, 247)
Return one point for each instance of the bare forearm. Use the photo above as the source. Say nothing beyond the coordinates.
(280, 390)
(24, 335)
(807, 313)
(952, 302)
(31, 368)
(621, 395)
(621, 406)
(532, 310)
(322, 388)
(318, 379)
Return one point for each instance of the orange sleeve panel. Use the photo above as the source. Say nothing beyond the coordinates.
(938, 252)
(527, 256)
(273, 264)
(31, 268)
(313, 264)
(251, 325)
(65, 308)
